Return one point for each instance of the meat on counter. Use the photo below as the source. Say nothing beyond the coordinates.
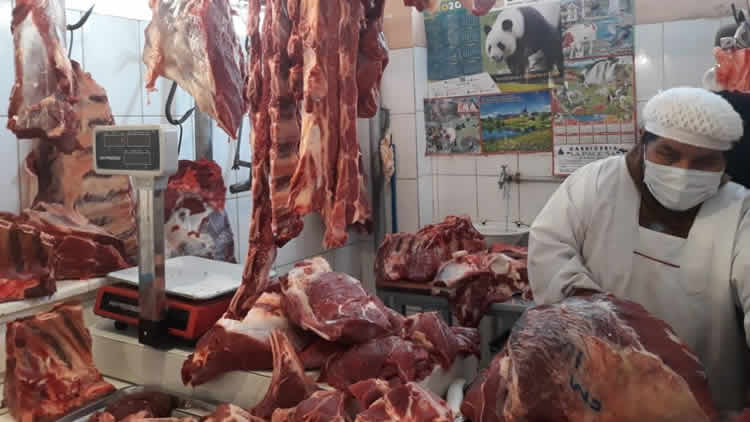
(50, 371)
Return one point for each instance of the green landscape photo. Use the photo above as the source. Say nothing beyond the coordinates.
(516, 122)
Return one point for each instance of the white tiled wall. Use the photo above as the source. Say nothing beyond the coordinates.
(110, 48)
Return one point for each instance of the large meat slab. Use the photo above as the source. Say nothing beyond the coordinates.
(51, 243)
(418, 256)
(56, 102)
(193, 42)
(50, 371)
(600, 358)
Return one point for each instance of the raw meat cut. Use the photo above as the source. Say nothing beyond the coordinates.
(319, 351)
(262, 251)
(600, 358)
(138, 406)
(474, 281)
(243, 345)
(231, 413)
(285, 125)
(387, 358)
(322, 406)
(372, 60)
(732, 71)
(407, 403)
(369, 391)
(54, 100)
(332, 305)
(196, 222)
(465, 266)
(52, 243)
(193, 42)
(289, 383)
(430, 332)
(50, 370)
(417, 257)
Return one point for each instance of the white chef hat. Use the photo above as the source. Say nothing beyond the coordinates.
(693, 116)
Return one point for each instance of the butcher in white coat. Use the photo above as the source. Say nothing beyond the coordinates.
(665, 228)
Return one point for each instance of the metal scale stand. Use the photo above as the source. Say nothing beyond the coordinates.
(148, 154)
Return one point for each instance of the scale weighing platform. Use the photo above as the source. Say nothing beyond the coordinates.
(198, 292)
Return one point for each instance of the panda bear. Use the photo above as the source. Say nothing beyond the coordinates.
(519, 33)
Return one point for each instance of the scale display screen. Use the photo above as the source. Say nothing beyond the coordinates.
(128, 150)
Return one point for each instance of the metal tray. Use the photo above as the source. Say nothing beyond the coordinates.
(189, 407)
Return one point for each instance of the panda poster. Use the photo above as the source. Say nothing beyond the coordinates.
(517, 122)
(452, 125)
(460, 44)
(522, 46)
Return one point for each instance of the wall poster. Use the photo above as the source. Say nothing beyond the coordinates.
(567, 83)
(516, 122)
(452, 125)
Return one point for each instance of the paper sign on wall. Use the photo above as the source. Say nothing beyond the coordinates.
(569, 158)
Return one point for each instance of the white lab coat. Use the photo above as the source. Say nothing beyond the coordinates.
(586, 235)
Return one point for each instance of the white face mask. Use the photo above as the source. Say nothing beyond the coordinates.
(680, 189)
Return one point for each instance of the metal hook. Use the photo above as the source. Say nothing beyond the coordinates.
(168, 113)
(78, 25)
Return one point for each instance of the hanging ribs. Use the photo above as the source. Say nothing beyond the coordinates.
(193, 42)
(262, 251)
(285, 125)
(50, 370)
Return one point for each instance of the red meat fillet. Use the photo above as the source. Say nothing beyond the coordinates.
(50, 371)
(334, 306)
(406, 403)
(600, 358)
(328, 406)
(289, 383)
(193, 42)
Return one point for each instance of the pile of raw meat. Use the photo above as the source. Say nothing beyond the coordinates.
(591, 358)
(50, 371)
(335, 326)
(733, 69)
(453, 258)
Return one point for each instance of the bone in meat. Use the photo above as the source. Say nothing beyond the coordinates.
(50, 370)
(285, 126)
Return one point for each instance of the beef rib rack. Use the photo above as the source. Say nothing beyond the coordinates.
(193, 42)
(54, 101)
(600, 358)
(50, 370)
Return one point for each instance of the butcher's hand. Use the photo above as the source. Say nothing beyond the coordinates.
(556, 266)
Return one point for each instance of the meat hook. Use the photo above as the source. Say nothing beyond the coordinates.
(168, 114)
(78, 25)
(246, 185)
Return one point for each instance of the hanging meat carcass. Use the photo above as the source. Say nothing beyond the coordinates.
(599, 358)
(54, 100)
(193, 42)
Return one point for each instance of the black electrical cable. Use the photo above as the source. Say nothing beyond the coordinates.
(168, 114)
